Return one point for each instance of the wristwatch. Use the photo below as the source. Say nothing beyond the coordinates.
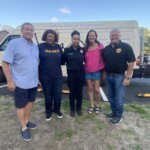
(128, 78)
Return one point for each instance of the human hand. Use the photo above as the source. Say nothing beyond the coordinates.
(11, 86)
(126, 82)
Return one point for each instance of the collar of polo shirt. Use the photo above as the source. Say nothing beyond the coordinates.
(30, 43)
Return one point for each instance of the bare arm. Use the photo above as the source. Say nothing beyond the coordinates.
(130, 69)
(129, 74)
(6, 69)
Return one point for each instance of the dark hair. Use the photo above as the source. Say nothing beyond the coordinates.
(44, 36)
(87, 43)
(26, 23)
(74, 33)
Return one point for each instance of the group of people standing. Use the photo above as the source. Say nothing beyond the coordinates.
(83, 63)
(25, 65)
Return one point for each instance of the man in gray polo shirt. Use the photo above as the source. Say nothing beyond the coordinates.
(20, 66)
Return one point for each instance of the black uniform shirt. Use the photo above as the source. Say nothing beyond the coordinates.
(74, 59)
(116, 59)
(50, 61)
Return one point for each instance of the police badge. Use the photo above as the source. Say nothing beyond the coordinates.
(81, 50)
(118, 50)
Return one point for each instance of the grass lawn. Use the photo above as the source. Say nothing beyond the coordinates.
(89, 132)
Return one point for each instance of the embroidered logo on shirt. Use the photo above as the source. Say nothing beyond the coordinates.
(118, 50)
(81, 51)
(52, 51)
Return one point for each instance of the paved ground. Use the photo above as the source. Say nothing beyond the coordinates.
(136, 86)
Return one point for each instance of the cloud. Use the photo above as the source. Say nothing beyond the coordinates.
(65, 10)
(54, 19)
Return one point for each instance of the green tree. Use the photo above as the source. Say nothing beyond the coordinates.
(146, 40)
(7, 27)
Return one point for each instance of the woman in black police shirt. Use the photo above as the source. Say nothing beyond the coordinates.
(50, 73)
(74, 57)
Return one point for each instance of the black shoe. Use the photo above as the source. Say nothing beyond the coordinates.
(72, 113)
(26, 135)
(59, 115)
(48, 117)
(116, 120)
(110, 116)
(79, 112)
(31, 125)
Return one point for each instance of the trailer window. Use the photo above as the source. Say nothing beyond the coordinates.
(5, 42)
(3, 45)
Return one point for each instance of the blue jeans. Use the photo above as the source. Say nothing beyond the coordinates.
(52, 92)
(93, 75)
(116, 93)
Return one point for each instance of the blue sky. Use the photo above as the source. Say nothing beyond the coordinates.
(16, 12)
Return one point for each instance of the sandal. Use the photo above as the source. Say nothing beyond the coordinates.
(97, 110)
(91, 110)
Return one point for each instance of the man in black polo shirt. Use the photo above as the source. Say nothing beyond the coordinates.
(119, 61)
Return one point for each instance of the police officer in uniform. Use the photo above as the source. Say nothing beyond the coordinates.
(73, 57)
(119, 58)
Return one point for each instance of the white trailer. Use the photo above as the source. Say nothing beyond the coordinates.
(130, 33)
